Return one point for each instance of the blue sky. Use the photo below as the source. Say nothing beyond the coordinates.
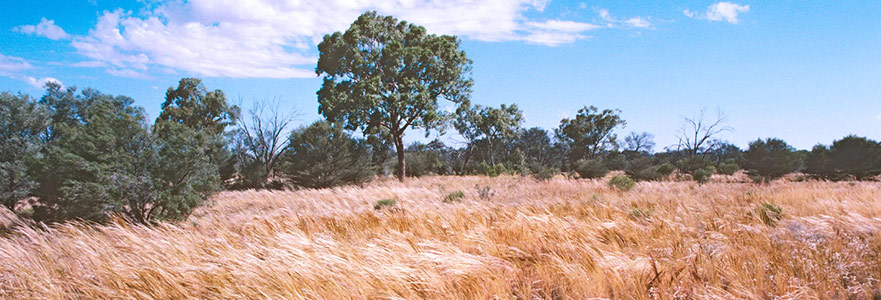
(807, 72)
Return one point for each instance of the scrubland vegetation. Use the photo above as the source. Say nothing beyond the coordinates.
(506, 237)
(208, 202)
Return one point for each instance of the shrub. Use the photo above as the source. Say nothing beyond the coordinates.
(622, 183)
(728, 167)
(702, 175)
(323, 155)
(380, 204)
(666, 169)
(591, 168)
(642, 169)
(485, 192)
(545, 174)
(454, 197)
(769, 213)
(770, 159)
(849, 157)
(689, 165)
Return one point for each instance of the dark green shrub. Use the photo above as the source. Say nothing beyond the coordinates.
(666, 169)
(323, 155)
(545, 174)
(728, 167)
(769, 159)
(454, 197)
(621, 182)
(380, 204)
(591, 168)
(689, 165)
(850, 157)
(642, 169)
(702, 175)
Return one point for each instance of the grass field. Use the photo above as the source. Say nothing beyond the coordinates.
(507, 238)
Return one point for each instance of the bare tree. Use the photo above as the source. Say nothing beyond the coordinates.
(696, 134)
(639, 142)
(262, 133)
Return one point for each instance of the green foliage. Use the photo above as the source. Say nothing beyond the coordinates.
(818, 164)
(545, 174)
(384, 203)
(666, 169)
(702, 175)
(849, 157)
(769, 213)
(192, 105)
(382, 75)
(728, 167)
(323, 155)
(590, 132)
(642, 169)
(22, 122)
(691, 164)
(622, 183)
(492, 125)
(493, 171)
(770, 159)
(427, 159)
(454, 197)
(591, 168)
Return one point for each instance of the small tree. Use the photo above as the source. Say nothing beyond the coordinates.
(262, 137)
(385, 75)
(487, 123)
(851, 156)
(591, 168)
(323, 155)
(639, 142)
(590, 132)
(769, 159)
(697, 133)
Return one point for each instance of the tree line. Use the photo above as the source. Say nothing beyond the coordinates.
(88, 155)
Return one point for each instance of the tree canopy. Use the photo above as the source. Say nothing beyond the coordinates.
(385, 75)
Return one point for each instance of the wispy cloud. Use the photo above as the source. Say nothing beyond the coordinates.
(46, 28)
(720, 11)
(11, 63)
(276, 38)
(633, 22)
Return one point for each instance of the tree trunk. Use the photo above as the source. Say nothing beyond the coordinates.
(402, 161)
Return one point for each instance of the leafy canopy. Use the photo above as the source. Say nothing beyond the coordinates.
(384, 75)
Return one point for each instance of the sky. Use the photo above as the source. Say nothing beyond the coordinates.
(807, 72)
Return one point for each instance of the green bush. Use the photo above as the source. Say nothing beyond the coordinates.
(454, 197)
(323, 155)
(770, 159)
(666, 169)
(702, 175)
(689, 165)
(545, 174)
(642, 169)
(622, 183)
(728, 167)
(591, 168)
(769, 213)
(380, 204)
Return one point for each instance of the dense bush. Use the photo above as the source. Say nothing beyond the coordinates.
(642, 169)
(621, 182)
(591, 168)
(666, 169)
(727, 167)
(702, 175)
(850, 157)
(691, 164)
(323, 155)
(770, 159)
(22, 121)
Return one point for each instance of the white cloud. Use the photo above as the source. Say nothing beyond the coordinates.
(634, 22)
(41, 83)
(277, 38)
(11, 63)
(45, 28)
(721, 11)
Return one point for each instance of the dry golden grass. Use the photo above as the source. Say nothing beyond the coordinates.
(508, 238)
